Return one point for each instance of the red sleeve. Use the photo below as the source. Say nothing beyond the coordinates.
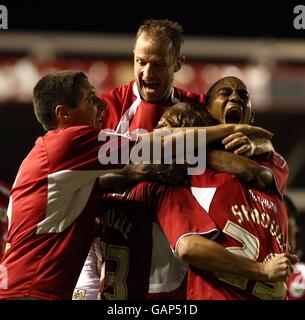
(179, 214)
(277, 164)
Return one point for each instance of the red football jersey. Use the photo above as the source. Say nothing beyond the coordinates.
(51, 214)
(139, 263)
(4, 198)
(278, 165)
(253, 224)
(128, 112)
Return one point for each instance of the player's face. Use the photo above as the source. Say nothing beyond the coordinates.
(90, 108)
(154, 68)
(230, 102)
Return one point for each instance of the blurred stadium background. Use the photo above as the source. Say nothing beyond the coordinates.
(256, 43)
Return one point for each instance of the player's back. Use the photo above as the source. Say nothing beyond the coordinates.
(253, 224)
(126, 242)
(139, 263)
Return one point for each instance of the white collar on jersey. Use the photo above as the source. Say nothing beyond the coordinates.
(123, 125)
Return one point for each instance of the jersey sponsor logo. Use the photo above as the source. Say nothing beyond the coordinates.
(297, 287)
(79, 294)
(265, 203)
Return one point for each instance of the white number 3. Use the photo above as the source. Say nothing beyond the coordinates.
(117, 279)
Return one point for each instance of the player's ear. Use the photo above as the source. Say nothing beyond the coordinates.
(252, 117)
(62, 112)
(208, 106)
(179, 63)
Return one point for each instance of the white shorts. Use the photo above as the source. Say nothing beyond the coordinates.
(88, 283)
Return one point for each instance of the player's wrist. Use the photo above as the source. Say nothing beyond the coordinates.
(262, 272)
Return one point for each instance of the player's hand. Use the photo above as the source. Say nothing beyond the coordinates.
(240, 144)
(278, 267)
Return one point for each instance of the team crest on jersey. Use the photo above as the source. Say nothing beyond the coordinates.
(297, 287)
(79, 294)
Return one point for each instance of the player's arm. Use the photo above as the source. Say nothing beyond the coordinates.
(165, 139)
(261, 145)
(116, 178)
(169, 136)
(248, 171)
(167, 174)
(209, 255)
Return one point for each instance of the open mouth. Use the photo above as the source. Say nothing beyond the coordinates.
(233, 115)
(151, 86)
